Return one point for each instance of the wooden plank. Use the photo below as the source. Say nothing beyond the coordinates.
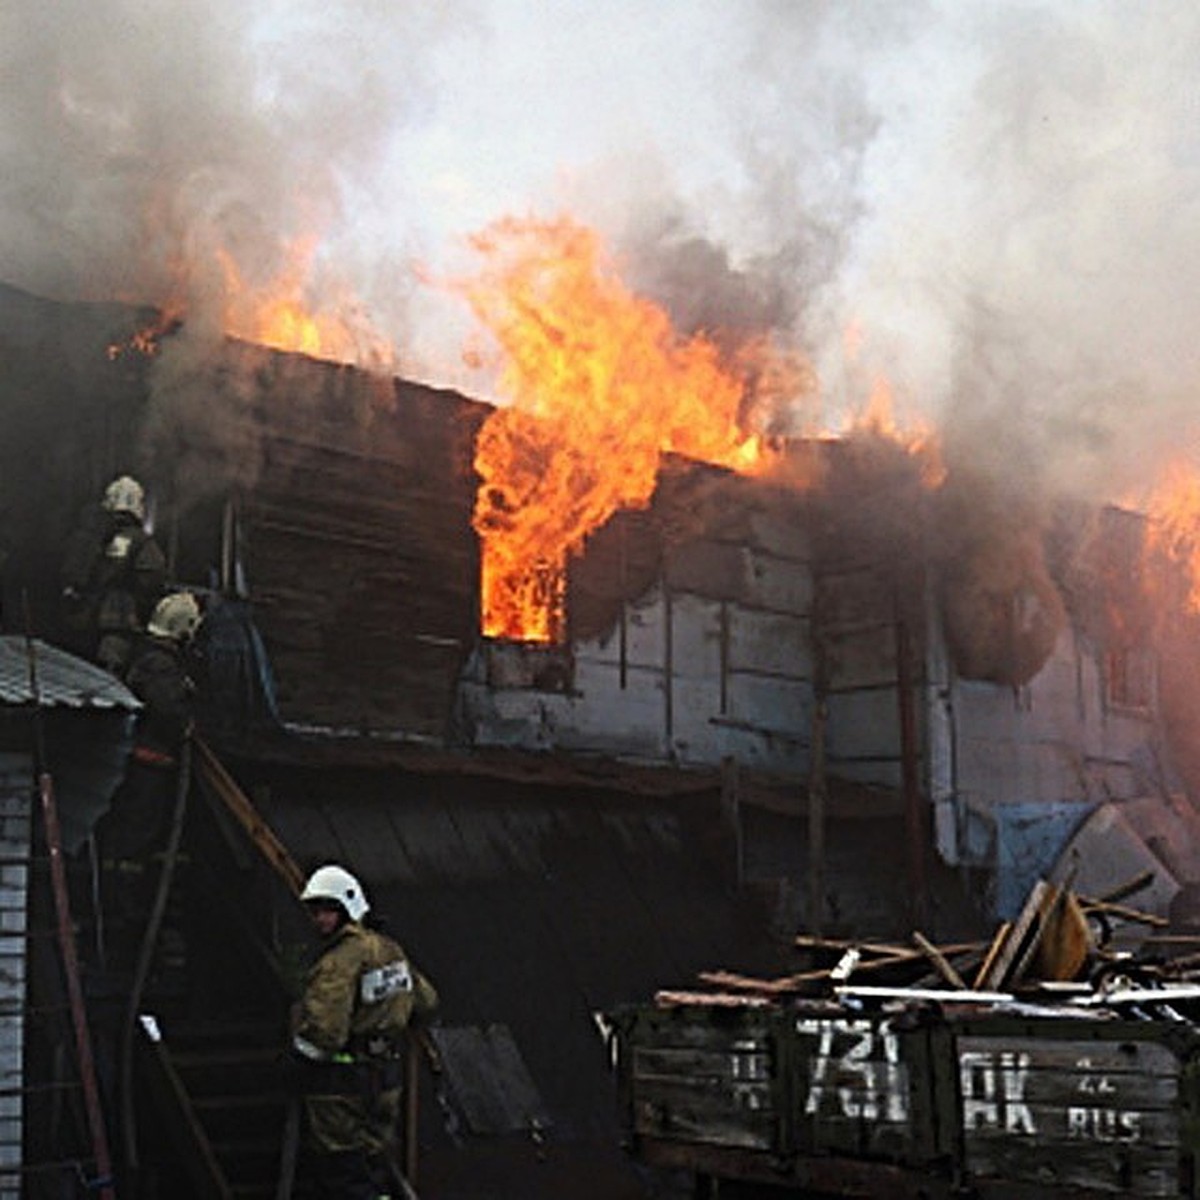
(1138, 883)
(993, 952)
(1099, 1055)
(1017, 941)
(681, 1030)
(1100, 1113)
(940, 963)
(851, 1069)
(722, 1116)
(667, 999)
(184, 1130)
(225, 788)
(1059, 1123)
(1123, 1171)
(1126, 914)
(741, 1060)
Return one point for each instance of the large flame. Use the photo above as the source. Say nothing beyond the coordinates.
(600, 387)
(1174, 526)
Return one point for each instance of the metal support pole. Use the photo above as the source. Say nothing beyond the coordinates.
(914, 814)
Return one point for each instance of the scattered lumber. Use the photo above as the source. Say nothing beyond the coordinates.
(818, 980)
(1049, 949)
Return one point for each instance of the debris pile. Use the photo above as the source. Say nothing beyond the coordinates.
(1057, 950)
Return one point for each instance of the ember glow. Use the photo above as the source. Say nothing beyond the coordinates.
(142, 341)
(1174, 526)
(600, 387)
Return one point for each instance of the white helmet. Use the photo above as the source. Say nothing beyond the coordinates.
(338, 885)
(126, 495)
(176, 616)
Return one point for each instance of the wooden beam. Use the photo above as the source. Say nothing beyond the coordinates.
(225, 788)
(941, 964)
(184, 1130)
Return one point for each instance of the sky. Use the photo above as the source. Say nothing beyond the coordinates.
(994, 206)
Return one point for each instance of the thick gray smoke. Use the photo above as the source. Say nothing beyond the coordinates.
(1001, 201)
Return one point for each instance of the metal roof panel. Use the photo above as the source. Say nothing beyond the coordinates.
(63, 680)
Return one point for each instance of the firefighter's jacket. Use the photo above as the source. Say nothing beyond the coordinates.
(360, 996)
(158, 677)
(114, 572)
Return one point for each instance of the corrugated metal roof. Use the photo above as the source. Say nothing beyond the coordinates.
(64, 681)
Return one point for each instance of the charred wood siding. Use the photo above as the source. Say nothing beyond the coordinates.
(364, 567)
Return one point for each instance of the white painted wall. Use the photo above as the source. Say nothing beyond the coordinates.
(697, 679)
(1055, 740)
(694, 680)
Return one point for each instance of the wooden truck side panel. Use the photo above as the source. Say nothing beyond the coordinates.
(969, 1103)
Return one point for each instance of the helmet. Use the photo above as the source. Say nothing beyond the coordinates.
(176, 616)
(338, 885)
(126, 495)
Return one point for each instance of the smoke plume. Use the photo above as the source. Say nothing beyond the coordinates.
(1002, 201)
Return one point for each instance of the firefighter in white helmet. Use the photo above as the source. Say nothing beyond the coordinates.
(136, 827)
(158, 676)
(361, 994)
(113, 573)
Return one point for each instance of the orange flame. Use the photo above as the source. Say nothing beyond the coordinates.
(145, 341)
(601, 386)
(290, 310)
(920, 440)
(276, 314)
(1174, 527)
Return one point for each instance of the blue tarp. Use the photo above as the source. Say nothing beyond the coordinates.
(1029, 840)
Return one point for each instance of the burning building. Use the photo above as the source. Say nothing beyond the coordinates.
(725, 686)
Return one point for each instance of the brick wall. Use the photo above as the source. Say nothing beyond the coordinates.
(16, 800)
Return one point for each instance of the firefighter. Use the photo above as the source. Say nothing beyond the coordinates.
(360, 996)
(135, 828)
(113, 573)
(158, 675)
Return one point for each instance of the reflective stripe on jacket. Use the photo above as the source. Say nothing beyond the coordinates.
(361, 989)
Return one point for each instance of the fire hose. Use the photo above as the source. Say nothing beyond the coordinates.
(146, 954)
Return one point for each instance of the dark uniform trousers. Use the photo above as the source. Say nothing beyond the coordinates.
(356, 1107)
